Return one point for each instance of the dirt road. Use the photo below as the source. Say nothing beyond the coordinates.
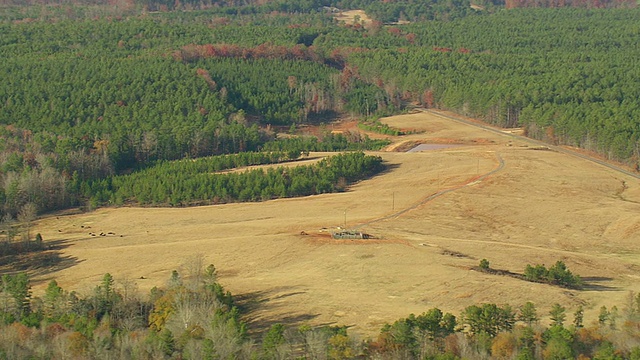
(560, 149)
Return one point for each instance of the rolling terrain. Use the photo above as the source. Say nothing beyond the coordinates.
(497, 197)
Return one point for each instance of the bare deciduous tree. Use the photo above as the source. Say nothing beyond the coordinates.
(26, 216)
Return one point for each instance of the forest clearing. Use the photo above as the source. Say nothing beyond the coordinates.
(540, 207)
(352, 17)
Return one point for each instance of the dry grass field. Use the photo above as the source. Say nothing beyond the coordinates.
(539, 206)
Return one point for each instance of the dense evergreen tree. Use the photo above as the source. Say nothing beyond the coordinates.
(188, 182)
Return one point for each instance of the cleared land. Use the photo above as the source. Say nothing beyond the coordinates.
(539, 206)
(353, 16)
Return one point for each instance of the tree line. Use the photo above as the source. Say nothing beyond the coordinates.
(43, 173)
(557, 274)
(193, 317)
(326, 142)
(189, 182)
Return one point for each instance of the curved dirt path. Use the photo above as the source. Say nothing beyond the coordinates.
(437, 194)
(535, 142)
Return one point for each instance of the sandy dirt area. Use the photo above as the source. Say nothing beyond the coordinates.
(534, 206)
(353, 16)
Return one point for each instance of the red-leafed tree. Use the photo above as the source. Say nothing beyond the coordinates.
(427, 99)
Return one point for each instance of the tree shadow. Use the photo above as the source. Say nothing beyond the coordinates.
(39, 262)
(595, 283)
(387, 169)
(326, 118)
(589, 283)
(261, 310)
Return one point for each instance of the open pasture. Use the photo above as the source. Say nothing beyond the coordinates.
(496, 197)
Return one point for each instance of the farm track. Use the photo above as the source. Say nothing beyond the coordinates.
(500, 167)
(437, 194)
(559, 149)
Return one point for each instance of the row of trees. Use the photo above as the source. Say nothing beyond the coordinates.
(511, 4)
(376, 126)
(42, 173)
(188, 182)
(501, 332)
(558, 274)
(193, 317)
(386, 11)
(326, 141)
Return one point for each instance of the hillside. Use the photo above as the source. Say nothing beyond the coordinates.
(173, 175)
(540, 207)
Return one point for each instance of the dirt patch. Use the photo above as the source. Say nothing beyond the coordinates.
(345, 126)
(456, 254)
(433, 147)
(326, 239)
(403, 146)
(353, 17)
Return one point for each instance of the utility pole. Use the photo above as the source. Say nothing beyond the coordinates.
(345, 218)
(393, 201)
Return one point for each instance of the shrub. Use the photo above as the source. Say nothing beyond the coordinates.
(484, 264)
(558, 274)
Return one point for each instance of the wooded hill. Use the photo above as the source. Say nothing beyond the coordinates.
(115, 105)
(85, 99)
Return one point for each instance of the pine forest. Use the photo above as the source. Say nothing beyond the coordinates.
(162, 103)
